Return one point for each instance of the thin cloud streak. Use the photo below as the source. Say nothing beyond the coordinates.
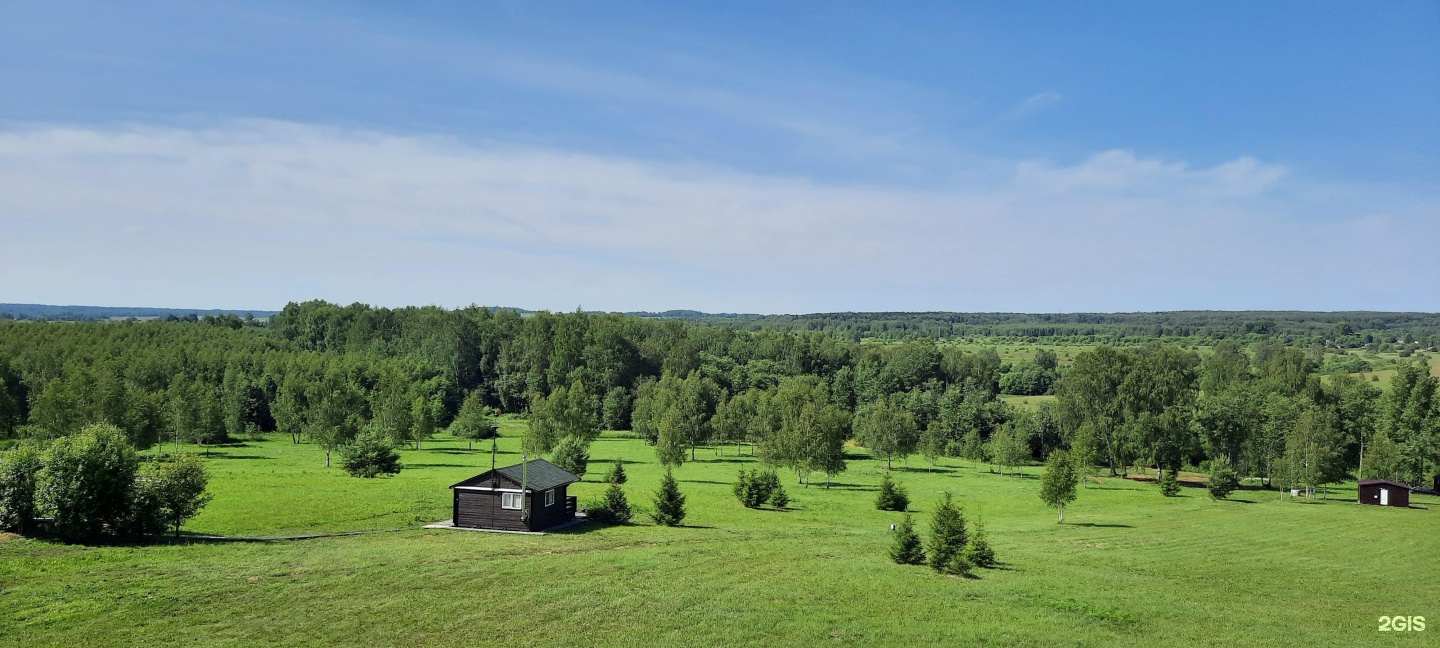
(258, 213)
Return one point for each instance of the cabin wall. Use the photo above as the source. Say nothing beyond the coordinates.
(545, 517)
(481, 509)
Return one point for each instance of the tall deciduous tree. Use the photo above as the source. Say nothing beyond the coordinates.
(887, 429)
(422, 419)
(1408, 415)
(335, 412)
(567, 411)
(473, 421)
(1089, 395)
(1057, 486)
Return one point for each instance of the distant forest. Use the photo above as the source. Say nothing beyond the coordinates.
(96, 313)
(1346, 329)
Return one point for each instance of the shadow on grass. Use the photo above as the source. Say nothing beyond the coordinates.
(413, 466)
(238, 456)
(623, 462)
(727, 460)
(943, 471)
(1097, 525)
(703, 481)
(851, 487)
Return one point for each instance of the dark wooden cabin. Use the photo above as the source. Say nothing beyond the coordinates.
(492, 499)
(1383, 492)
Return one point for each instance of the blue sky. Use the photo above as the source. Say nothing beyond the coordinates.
(757, 157)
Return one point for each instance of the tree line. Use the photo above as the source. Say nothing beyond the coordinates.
(329, 374)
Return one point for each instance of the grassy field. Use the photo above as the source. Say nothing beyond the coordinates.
(1129, 568)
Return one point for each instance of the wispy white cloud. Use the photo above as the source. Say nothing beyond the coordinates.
(1034, 103)
(256, 213)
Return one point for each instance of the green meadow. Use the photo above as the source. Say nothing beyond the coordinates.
(1128, 567)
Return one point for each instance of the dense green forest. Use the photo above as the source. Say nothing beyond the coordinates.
(1254, 401)
(1346, 329)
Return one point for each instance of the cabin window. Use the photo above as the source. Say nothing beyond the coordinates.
(550, 498)
(510, 501)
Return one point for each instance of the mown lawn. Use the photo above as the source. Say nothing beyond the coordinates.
(1128, 568)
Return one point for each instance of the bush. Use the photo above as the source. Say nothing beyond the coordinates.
(1223, 481)
(88, 482)
(169, 493)
(892, 497)
(978, 551)
(19, 471)
(756, 488)
(906, 549)
(614, 508)
(572, 454)
(1170, 483)
(370, 456)
(669, 502)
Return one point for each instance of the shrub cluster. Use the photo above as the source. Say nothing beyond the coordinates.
(755, 488)
(92, 485)
(613, 507)
(892, 497)
(951, 549)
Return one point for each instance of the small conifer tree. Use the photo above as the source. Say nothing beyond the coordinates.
(947, 538)
(613, 509)
(1223, 480)
(743, 487)
(370, 455)
(958, 565)
(572, 454)
(978, 550)
(891, 497)
(617, 473)
(906, 549)
(779, 498)
(1169, 484)
(669, 502)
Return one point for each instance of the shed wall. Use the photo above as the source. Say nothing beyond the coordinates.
(1370, 494)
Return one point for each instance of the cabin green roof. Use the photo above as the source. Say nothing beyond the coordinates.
(543, 475)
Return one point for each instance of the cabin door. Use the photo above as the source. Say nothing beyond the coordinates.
(1384, 497)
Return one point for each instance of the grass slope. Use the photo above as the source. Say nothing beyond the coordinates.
(1131, 567)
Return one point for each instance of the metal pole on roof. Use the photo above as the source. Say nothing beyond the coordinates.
(524, 477)
(494, 445)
